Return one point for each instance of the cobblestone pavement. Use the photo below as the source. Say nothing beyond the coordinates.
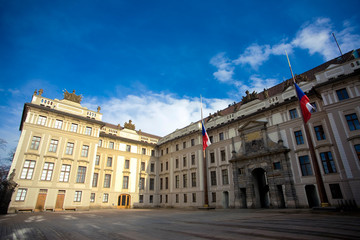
(180, 224)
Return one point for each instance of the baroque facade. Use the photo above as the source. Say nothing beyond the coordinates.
(68, 158)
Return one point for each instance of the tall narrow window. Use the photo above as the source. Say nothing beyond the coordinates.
(152, 167)
(92, 197)
(97, 160)
(77, 197)
(58, 124)
(81, 174)
(193, 159)
(53, 145)
(109, 162)
(125, 182)
(299, 137)
(184, 180)
(142, 184)
(107, 180)
(28, 169)
(328, 162)
(73, 127)
(166, 183)
(221, 136)
(127, 164)
(223, 156)
(293, 113)
(176, 163)
(193, 179)
(111, 145)
(128, 148)
(161, 183)
(184, 145)
(177, 181)
(65, 173)
(88, 131)
(185, 198)
(184, 161)
(100, 143)
(192, 142)
(357, 150)
(105, 197)
(85, 151)
(95, 180)
(194, 197)
(35, 143)
(69, 148)
(213, 196)
(41, 120)
(319, 131)
(213, 178)
(305, 165)
(47, 171)
(212, 157)
(225, 177)
(342, 94)
(353, 121)
(21, 194)
(143, 151)
(152, 184)
(142, 166)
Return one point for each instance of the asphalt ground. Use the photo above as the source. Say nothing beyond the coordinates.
(181, 224)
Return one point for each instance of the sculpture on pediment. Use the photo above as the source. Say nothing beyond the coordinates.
(287, 84)
(266, 93)
(301, 78)
(249, 96)
(72, 96)
(98, 109)
(129, 125)
(41, 92)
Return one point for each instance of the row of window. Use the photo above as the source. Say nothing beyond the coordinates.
(53, 146)
(59, 125)
(127, 148)
(326, 160)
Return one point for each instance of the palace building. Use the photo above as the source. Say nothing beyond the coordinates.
(68, 158)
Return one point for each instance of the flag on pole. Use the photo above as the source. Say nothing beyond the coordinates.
(206, 139)
(305, 105)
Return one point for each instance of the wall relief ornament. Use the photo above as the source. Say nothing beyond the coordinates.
(72, 96)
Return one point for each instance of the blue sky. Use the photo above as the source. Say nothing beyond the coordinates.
(149, 61)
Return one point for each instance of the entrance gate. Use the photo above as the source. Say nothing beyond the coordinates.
(124, 201)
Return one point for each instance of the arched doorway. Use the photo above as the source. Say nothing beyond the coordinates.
(124, 201)
(311, 195)
(261, 188)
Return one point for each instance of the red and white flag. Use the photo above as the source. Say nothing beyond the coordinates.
(206, 139)
(306, 107)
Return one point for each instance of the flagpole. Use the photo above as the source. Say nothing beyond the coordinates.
(319, 180)
(206, 197)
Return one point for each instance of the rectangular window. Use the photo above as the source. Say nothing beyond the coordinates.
(213, 178)
(65, 173)
(177, 147)
(353, 122)
(213, 196)
(223, 156)
(85, 151)
(127, 164)
(166, 183)
(100, 143)
(277, 165)
(105, 197)
(177, 181)
(184, 145)
(111, 145)
(305, 165)
(212, 157)
(95, 180)
(107, 180)
(161, 198)
(177, 198)
(299, 137)
(58, 124)
(142, 166)
(97, 160)
(128, 148)
(184, 180)
(153, 153)
(293, 113)
(342, 94)
(167, 150)
(319, 131)
(41, 120)
(125, 182)
(151, 199)
(143, 151)
(176, 163)
(152, 167)
(193, 159)
(335, 191)
(152, 184)
(69, 148)
(142, 184)
(47, 171)
(73, 127)
(141, 199)
(109, 162)
(193, 179)
(88, 131)
(28, 169)
(161, 167)
(77, 197)
(167, 166)
(192, 142)
(221, 136)
(357, 150)
(211, 139)
(225, 177)
(184, 161)
(21, 194)
(328, 162)
(92, 197)
(53, 145)
(193, 197)
(80, 178)
(35, 143)
(185, 198)
(161, 183)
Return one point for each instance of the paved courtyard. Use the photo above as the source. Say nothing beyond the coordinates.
(180, 224)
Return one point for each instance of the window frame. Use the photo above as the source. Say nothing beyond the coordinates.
(28, 169)
(35, 143)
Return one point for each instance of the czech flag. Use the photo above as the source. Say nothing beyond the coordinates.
(206, 139)
(306, 107)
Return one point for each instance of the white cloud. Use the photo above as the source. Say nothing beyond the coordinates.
(225, 70)
(254, 55)
(158, 114)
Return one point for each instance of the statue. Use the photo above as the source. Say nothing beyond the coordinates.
(266, 93)
(41, 92)
(72, 96)
(98, 109)
(129, 125)
(249, 97)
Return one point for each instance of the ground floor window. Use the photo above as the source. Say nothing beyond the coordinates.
(21, 194)
(77, 197)
(106, 197)
(335, 191)
(92, 197)
(213, 196)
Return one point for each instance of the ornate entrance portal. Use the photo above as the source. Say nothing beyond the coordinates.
(124, 201)
(262, 176)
